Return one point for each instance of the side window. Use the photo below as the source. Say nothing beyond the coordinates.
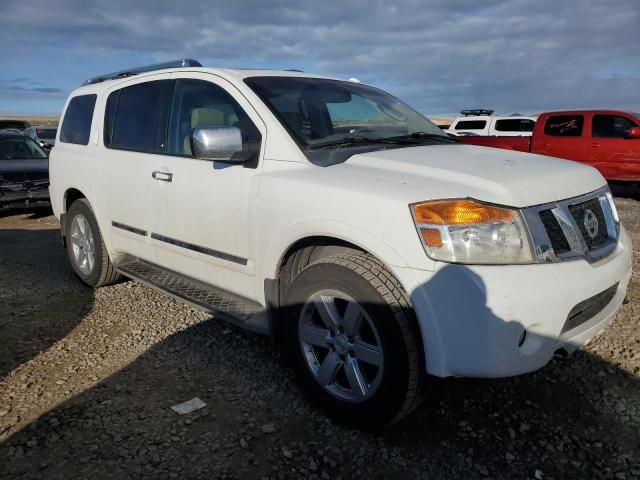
(198, 103)
(470, 125)
(564, 125)
(76, 125)
(610, 126)
(514, 125)
(134, 114)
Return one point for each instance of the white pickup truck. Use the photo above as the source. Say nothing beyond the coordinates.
(372, 246)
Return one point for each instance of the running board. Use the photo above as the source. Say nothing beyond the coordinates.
(240, 311)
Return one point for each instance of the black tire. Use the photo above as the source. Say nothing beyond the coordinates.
(364, 279)
(103, 272)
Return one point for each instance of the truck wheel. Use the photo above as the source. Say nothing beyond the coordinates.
(85, 248)
(351, 337)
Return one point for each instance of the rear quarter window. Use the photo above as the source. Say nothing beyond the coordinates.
(515, 125)
(471, 125)
(564, 125)
(76, 125)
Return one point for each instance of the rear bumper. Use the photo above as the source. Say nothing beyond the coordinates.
(498, 321)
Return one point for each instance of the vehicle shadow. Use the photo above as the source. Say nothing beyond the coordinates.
(35, 212)
(625, 190)
(41, 300)
(575, 418)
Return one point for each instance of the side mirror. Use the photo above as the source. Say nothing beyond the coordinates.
(219, 143)
(633, 132)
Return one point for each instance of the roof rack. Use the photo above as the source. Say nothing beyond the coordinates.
(185, 62)
(476, 112)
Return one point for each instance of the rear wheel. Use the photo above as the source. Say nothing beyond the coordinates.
(87, 253)
(352, 340)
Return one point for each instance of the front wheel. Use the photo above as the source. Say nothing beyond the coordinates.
(87, 253)
(352, 339)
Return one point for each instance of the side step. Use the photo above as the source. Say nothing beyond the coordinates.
(234, 309)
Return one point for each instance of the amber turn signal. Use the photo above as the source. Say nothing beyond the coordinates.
(459, 212)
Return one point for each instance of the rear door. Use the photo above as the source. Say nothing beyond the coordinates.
(135, 117)
(561, 136)
(617, 157)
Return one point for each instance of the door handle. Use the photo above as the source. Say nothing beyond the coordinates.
(162, 176)
(595, 145)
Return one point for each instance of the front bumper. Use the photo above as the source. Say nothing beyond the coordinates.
(24, 193)
(498, 321)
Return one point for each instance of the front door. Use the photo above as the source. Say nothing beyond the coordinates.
(617, 157)
(204, 212)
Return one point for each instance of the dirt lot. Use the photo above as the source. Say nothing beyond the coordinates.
(87, 379)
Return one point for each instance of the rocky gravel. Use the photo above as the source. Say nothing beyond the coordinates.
(87, 379)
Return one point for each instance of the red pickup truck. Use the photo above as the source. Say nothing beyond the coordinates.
(605, 139)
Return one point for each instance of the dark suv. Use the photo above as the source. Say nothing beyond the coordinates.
(24, 171)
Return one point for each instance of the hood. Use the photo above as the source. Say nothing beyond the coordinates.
(492, 175)
(24, 166)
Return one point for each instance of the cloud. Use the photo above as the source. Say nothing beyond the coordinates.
(511, 55)
(8, 90)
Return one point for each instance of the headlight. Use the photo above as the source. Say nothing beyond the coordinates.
(467, 231)
(612, 206)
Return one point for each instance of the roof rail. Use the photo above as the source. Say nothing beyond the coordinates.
(185, 62)
(476, 112)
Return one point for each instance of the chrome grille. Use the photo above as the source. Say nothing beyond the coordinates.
(580, 227)
(598, 236)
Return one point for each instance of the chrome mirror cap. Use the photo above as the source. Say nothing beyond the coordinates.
(218, 143)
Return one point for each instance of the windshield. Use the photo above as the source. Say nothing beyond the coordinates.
(319, 112)
(46, 133)
(20, 149)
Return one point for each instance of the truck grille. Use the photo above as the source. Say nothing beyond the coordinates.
(22, 177)
(557, 238)
(580, 227)
(598, 236)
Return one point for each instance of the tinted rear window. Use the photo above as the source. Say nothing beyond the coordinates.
(471, 124)
(46, 133)
(76, 126)
(134, 114)
(515, 125)
(564, 125)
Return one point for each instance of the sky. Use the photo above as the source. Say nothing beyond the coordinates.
(440, 57)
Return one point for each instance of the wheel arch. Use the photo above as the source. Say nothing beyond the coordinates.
(306, 250)
(70, 195)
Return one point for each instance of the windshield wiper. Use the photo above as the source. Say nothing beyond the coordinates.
(413, 138)
(347, 141)
(418, 136)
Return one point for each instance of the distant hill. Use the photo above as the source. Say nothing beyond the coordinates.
(32, 119)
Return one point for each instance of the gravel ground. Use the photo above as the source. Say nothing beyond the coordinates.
(87, 379)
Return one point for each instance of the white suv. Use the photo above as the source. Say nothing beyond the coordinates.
(334, 217)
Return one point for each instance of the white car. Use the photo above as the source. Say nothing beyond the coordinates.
(483, 123)
(334, 217)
